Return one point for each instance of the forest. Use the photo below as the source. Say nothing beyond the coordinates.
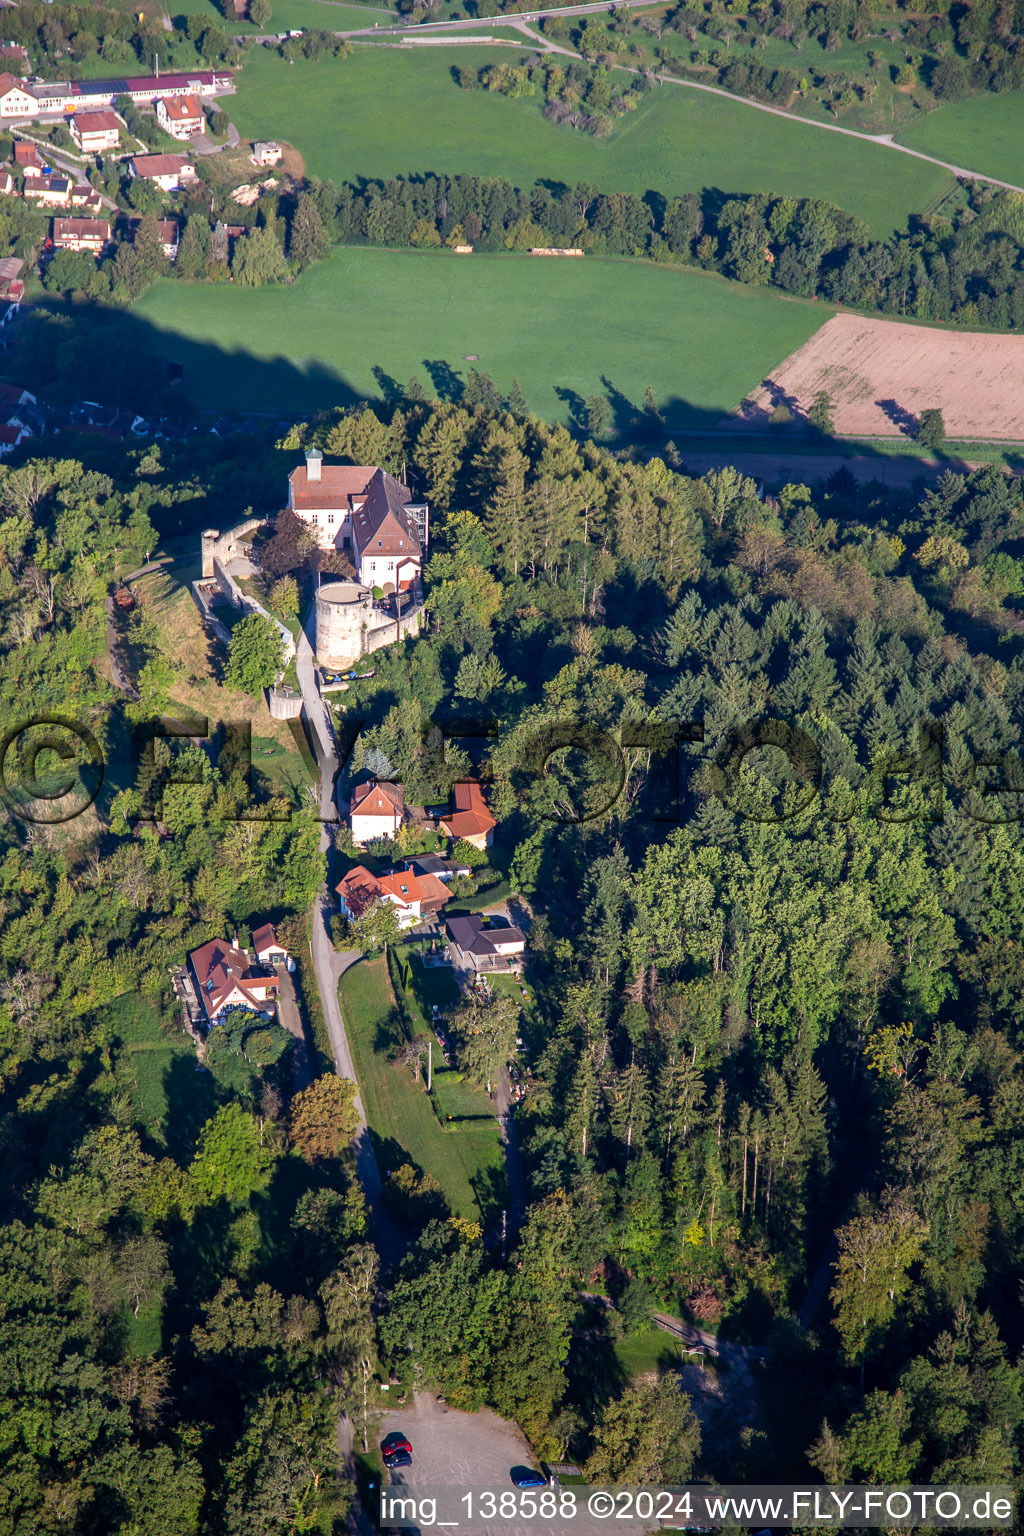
(779, 1023)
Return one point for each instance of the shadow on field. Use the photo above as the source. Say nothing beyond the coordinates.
(66, 352)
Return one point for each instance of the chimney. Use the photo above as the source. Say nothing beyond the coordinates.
(314, 460)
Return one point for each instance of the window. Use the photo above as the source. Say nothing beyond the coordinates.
(330, 519)
(380, 543)
(391, 565)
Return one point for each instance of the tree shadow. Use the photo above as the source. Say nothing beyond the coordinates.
(900, 417)
(448, 384)
(192, 1098)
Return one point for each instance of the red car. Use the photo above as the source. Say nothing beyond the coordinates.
(396, 1451)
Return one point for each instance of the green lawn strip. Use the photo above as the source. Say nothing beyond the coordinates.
(288, 14)
(679, 140)
(652, 1350)
(983, 133)
(560, 327)
(144, 1058)
(405, 1127)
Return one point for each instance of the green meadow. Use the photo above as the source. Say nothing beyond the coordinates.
(387, 111)
(562, 327)
(983, 133)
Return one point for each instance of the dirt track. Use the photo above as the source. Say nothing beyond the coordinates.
(882, 373)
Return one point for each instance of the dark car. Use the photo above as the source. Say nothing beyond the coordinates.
(526, 1477)
(396, 1451)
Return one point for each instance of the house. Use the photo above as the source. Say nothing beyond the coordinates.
(180, 116)
(377, 809)
(485, 946)
(266, 947)
(10, 437)
(15, 100)
(266, 153)
(7, 187)
(49, 191)
(95, 132)
(12, 395)
(170, 235)
(414, 897)
(10, 280)
(471, 821)
(225, 978)
(90, 202)
(365, 513)
(92, 235)
(168, 171)
(27, 157)
(16, 52)
(432, 864)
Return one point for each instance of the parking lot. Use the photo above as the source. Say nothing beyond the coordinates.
(471, 1451)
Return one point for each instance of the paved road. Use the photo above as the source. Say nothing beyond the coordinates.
(328, 963)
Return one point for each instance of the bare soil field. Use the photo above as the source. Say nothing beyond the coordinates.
(882, 373)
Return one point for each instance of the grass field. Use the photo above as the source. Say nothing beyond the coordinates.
(327, 15)
(679, 140)
(984, 133)
(557, 326)
(469, 1165)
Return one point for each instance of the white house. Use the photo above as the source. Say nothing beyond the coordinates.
(168, 171)
(225, 979)
(15, 99)
(266, 946)
(376, 810)
(180, 116)
(95, 132)
(365, 513)
(414, 897)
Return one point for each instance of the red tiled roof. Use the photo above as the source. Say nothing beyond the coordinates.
(378, 798)
(471, 816)
(181, 109)
(12, 435)
(159, 165)
(97, 122)
(220, 968)
(265, 938)
(7, 80)
(25, 154)
(337, 483)
(359, 889)
(81, 229)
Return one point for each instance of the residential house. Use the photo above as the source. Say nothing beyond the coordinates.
(15, 99)
(49, 191)
(96, 132)
(7, 187)
(267, 947)
(267, 153)
(10, 437)
(471, 821)
(433, 864)
(226, 978)
(170, 236)
(10, 279)
(26, 158)
(483, 946)
(12, 395)
(15, 51)
(90, 202)
(414, 897)
(377, 809)
(168, 171)
(180, 116)
(92, 235)
(365, 513)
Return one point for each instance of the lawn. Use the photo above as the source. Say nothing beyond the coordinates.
(560, 327)
(679, 140)
(983, 133)
(468, 1165)
(326, 15)
(157, 1070)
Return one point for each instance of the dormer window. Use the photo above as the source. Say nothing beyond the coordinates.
(380, 543)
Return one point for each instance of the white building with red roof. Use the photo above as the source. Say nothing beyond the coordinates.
(95, 132)
(365, 513)
(377, 809)
(471, 821)
(414, 897)
(180, 116)
(226, 978)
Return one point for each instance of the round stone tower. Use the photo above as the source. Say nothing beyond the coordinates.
(343, 610)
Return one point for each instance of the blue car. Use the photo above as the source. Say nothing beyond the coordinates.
(526, 1477)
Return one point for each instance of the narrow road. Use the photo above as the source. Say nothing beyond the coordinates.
(514, 1175)
(328, 964)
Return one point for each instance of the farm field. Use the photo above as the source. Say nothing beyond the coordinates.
(881, 373)
(679, 139)
(984, 133)
(560, 327)
(327, 15)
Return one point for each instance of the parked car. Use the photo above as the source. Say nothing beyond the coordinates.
(526, 1477)
(396, 1451)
